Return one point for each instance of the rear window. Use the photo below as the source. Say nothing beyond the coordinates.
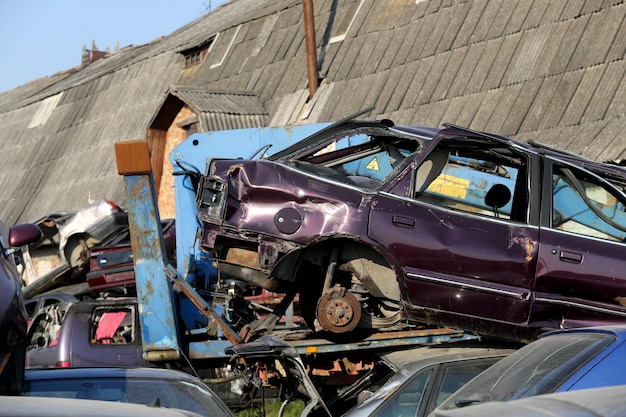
(113, 326)
(538, 368)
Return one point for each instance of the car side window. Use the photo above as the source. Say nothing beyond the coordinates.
(113, 326)
(489, 183)
(408, 400)
(455, 375)
(583, 205)
(360, 157)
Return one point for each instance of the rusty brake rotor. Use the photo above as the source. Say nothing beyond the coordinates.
(338, 311)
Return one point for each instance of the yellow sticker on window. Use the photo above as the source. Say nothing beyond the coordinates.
(373, 165)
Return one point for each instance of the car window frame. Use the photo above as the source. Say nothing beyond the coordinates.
(552, 164)
(520, 187)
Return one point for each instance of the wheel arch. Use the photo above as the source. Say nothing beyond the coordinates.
(371, 265)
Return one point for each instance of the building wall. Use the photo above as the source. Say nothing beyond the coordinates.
(175, 135)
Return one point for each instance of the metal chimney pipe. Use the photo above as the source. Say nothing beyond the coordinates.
(311, 51)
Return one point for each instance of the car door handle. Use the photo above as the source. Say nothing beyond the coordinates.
(571, 257)
(407, 222)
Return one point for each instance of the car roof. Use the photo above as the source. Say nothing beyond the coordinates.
(26, 406)
(618, 331)
(445, 352)
(592, 402)
(110, 372)
(533, 146)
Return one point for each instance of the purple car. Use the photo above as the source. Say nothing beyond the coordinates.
(13, 318)
(376, 225)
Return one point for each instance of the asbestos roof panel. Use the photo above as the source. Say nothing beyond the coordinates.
(400, 87)
(518, 17)
(210, 101)
(502, 101)
(572, 9)
(433, 76)
(606, 91)
(613, 148)
(583, 95)
(462, 83)
(469, 20)
(376, 83)
(518, 68)
(419, 32)
(565, 91)
(500, 23)
(484, 66)
(489, 104)
(372, 50)
(454, 71)
(350, 51)
(442, 32)
(535, 15)
(525, 98)
(596, 40)
(295, 76)
(391, 81)
(606, 135)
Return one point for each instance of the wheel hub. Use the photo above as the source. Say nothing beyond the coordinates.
(338, 311)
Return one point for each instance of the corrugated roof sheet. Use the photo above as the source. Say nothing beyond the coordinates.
(550, 71)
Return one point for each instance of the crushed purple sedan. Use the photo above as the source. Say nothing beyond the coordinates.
(376, 225)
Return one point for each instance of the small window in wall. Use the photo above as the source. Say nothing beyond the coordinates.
(113, 326)
(194, 56)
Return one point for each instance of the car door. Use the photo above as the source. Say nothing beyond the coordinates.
(581, 276)
(462, 249)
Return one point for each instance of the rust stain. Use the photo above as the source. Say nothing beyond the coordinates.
(149, 289)
(526, 243)
(621, 300)
(234, 168)
(243, 257)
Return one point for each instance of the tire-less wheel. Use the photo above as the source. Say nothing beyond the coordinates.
(76, 250)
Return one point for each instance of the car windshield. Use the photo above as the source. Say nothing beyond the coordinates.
(362, 157)
(165, 393)
(538, 368)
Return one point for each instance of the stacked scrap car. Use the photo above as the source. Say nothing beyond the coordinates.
(374, 224)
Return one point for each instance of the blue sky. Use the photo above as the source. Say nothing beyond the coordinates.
(41, 37)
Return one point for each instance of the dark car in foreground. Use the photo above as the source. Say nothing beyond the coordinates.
(150, 386)
(566, 360)
(13, 316)
(450, 227)
(71, 407)
(593, 402)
